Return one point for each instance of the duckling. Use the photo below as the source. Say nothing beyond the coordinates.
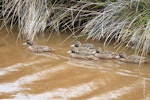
(132, 58)
(74, 53)
(105, 54)
(37, 48)
(88, 55)
(83, 49)
(78, 44)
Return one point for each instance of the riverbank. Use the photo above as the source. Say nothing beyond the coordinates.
(125, 22)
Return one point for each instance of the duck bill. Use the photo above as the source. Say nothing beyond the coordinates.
(24, 43)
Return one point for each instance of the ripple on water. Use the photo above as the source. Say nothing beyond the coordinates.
(116, 94)
(28, 79)
(16, 67)
(57, 76)
(70, 92)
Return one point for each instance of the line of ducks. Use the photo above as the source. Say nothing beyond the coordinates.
(88, 51)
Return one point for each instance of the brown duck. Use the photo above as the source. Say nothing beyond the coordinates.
(132, 58)
(105, 54)
(83, 49)
(74, 53)
(37, 48)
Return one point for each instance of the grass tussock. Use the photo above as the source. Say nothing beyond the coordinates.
(127, 22)
(34, 16)
(31, 15)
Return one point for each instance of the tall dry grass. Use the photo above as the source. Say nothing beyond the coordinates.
(31, 15)
(126, 22)
(34, 16)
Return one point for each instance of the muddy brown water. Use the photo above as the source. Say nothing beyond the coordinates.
(56, 76)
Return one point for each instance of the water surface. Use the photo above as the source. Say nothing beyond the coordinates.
(56, 76)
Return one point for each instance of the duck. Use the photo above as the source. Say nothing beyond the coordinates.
(83, 49)
(105, 54)
(74, 53)
(37, 48)
(86, 45)
(132, 58)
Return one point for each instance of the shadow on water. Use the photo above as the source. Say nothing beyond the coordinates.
(26, 75)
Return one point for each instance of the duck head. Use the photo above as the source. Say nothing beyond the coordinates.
(76, 44)
(98, 50)
(122, 55)
(73, 50)
(28, 42)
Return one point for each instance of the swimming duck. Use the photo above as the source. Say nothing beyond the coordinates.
(78, 44)
(74, 53)
(132, 58)
(83, 49)
(105, 54)
(37, 48)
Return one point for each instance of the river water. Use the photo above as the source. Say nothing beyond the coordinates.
(56, 76)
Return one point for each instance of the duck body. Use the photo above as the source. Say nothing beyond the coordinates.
(134, 61)
(37, 48)
(78, 44)
(84, 50)
(132, 58)
(82, 54)
(105, 54)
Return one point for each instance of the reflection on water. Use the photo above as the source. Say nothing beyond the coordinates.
(25, 75)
